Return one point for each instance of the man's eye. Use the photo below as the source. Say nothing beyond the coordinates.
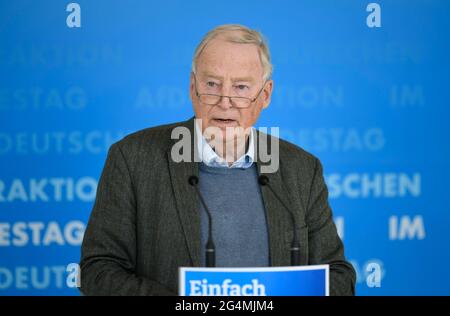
(210, 84)
(242, 87)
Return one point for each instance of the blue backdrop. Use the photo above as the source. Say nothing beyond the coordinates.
(370, 102)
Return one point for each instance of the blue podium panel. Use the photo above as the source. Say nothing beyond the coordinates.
(271, 281)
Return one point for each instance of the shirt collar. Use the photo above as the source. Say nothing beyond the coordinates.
(209, 157)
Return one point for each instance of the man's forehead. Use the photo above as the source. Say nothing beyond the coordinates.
(219, 54)
(219, 48)
(212, 74)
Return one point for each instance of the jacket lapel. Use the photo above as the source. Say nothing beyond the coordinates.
(279, 222)
(185, 198)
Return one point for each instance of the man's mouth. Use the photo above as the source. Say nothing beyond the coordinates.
(224, 120)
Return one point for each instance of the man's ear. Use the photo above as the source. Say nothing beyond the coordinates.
(267, 93)
(191, 86)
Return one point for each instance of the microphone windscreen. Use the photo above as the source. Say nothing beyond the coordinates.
(193, 180)
(263, 180)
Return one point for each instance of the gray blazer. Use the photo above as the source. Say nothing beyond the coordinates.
(145, 222)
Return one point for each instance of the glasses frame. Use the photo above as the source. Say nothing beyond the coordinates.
(220, 97)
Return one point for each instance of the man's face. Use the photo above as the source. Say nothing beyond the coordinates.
(229, 69)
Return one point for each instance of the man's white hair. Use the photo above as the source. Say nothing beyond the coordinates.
(244, 35)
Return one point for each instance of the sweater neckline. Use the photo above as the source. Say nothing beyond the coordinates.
(223, 170)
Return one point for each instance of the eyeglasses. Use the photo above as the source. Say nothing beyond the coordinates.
(214, 99)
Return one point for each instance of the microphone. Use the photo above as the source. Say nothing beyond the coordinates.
(210, 249)
(295, 246)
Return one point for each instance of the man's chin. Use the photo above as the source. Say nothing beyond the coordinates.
(226, 133)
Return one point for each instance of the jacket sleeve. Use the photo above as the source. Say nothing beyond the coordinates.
(325, 246)
(108, 252)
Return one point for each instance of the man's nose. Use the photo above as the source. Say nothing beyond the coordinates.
(225, 101)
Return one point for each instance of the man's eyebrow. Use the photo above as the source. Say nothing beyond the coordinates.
(211, 75)
(248, 79)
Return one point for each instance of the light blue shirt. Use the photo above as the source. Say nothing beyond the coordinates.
(209, 157)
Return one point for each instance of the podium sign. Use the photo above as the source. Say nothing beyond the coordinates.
(267, 281)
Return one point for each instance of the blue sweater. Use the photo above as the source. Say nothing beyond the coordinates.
(239, 221)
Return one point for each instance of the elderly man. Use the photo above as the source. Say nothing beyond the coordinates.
(154, 211)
